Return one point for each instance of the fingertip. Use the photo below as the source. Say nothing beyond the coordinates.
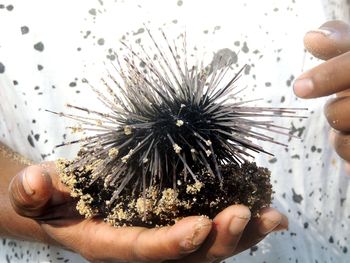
(239, 211)
(234, 217)
(38, 179)
(232, 220)
(283, 225)
(317, 43)
(228, 227)
(330, 40)
(270, 219)
(270, 212)
(240, 216)
(194, 231)
(30, 190)
(303, 87)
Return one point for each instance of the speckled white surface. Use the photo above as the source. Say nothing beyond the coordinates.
(76, 37)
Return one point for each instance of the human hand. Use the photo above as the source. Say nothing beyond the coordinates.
(38, 194)
(331, 42)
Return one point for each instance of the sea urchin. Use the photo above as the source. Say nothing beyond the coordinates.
(173, 143)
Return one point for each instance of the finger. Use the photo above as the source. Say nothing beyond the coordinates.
(341, 143)
(330, 40)
(326, 79)
(224, 236)
(332, 138)
(345, 93)
(270, 220)
(173, 242)
(34, 190)
(98, 241)
(337, 112)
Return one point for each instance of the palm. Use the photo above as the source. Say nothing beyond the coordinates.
(192, 239)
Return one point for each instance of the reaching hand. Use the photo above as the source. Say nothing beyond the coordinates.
(330, 42)
(38, 194)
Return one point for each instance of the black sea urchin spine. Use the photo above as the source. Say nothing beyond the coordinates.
(171, 119)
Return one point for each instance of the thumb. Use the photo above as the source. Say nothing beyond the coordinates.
(35, 190)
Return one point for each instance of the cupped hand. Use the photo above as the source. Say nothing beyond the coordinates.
(331, 42)
(38, 194)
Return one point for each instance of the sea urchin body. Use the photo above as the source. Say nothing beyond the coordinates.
(172, 144)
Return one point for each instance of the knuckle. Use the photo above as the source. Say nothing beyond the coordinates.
(133, 249)
(136, 249)
(141, 251)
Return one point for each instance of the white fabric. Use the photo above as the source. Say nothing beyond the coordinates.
(310, 183)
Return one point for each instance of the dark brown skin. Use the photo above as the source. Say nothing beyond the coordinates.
(38, 207)
(331, 42)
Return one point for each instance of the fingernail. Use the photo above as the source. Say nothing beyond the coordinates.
(329, 33)
(322, 30)
(197, 237)
(25, 183)
(303, 87)
(267, 226)
(238, 224)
